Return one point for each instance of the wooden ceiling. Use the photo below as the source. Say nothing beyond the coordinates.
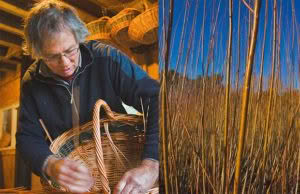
(12, 13)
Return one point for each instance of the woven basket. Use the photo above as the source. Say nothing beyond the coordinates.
(119, 26)
(108, 155)
(144, 27)
(100, 29)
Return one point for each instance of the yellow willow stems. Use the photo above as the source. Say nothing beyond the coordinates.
(164, 94)
(164, 133)
(260, 80)
(266, 135)
(225, 147)
(298, 171)
(245, 99)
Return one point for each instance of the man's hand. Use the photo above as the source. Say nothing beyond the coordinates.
(140, 179)
(70, 174)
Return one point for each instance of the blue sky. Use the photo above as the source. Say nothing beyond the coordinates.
(189, 55)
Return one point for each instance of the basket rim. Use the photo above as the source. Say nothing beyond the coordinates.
(136, 23)
(99, 20)
(124, 12)
(153, 9)
(136, 120)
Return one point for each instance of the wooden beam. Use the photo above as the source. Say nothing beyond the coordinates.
(86, 17)
(6, 67)
(13, 9)
(11, 29)
(23, 4)
(17, 58)
(23, 13)
(8, 61)
(13, 51)
(86, 6)
(114, 5)
(13, 40)
(11, 23)
(8, 44)
(3, 51)
(117, 6)
(97, 3)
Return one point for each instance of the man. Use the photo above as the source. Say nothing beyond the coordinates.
(55, 36)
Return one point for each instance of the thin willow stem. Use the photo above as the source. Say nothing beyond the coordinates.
(245, 99)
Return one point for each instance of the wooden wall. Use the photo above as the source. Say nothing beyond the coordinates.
(10, 90)
(149, 62)
(9, 98)
(7, 168)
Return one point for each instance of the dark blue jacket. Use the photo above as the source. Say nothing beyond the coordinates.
(104, 73)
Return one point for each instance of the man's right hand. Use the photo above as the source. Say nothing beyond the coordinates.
(70, 174)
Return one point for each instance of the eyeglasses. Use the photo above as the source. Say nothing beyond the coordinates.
(69, 54)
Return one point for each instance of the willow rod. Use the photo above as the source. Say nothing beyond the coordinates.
(266, 132)
(228, 70)
(164, 93)
(260, 79)
(245, 99)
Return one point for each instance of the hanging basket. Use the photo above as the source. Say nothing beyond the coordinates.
(100, 29)
(108, 147)
(144, 27)
(119, 26)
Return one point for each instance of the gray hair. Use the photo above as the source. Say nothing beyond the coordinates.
(49, 17)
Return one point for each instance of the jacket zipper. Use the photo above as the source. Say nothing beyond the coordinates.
(70, 92)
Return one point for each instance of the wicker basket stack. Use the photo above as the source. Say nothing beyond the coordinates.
(108, 154)
(144, 27)
(119, 26)
(100, 29)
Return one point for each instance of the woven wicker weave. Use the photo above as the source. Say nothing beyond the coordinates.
(144, 27)
(100, 29)
(119, 26)
(107, 154)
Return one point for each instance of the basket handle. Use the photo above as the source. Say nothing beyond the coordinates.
(97, 138)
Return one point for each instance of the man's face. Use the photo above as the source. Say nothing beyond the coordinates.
(61, 53)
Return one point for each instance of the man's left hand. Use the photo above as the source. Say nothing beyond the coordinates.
(140, 179)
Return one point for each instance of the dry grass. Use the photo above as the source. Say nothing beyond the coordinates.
(193, 109)
(189, 140)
